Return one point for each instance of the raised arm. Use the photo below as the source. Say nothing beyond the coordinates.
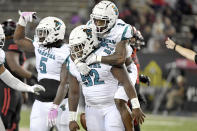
(189, 54)
(23, 42)
(19, 34)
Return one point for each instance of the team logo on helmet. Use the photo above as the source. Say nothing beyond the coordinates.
(57, 25)
(88, 32)
(115, 9)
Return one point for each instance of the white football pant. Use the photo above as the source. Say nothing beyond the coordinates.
(39, 116)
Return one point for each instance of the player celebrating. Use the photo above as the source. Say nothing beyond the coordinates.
(113, 34)
(50, 52)
(9, 79)
(98, 87)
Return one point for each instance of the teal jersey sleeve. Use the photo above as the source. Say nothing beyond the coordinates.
(127, 33)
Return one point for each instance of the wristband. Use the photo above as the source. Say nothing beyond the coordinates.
(174, 47)
(21, 21)
(54, 106)
(98, 58)
(72, 116)
(135, 103)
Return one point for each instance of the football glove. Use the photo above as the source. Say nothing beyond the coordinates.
(36, 89)
(52, 115)
(25, 17)
(82, 67)
(93, 58)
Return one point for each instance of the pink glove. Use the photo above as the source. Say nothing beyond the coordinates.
(25, 17)
(52, 115)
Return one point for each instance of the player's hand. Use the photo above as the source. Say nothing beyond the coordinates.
(36, 89)
(138, 115)
(25, 17)
(83, 121)
(93, 58)
(52, 115)
(169, 43)
(73, 126)
(137, 34)
(82, 67)
(144, 79)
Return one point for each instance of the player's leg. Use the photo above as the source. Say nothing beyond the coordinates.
(121, 100)
(11, 115)
(39, 114)
(94, 119)
(113, 121)
(16, 115)
(125, 114)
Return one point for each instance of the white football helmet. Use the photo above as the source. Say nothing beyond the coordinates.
(107, 11)
(2, 37)
(50, 30)
(82, 41)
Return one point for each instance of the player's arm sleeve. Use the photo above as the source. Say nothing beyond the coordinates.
(15, 83)
(21, 40)
(127, 33)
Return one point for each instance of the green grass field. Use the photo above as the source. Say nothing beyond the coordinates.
(152, 123)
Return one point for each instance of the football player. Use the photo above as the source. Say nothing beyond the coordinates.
(114, 34)
(10, 80)
(50, 51)
(98, 87)
(14, 61)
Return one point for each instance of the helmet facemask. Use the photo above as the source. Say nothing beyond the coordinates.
(102, 28)
(42, 33)
(77, 51)
(2, 40)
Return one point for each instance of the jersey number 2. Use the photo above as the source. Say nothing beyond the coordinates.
(43, 65)
(88, 81)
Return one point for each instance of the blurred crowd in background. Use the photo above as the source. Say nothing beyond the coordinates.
(156, 19)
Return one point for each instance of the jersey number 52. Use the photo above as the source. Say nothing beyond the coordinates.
(92, 78)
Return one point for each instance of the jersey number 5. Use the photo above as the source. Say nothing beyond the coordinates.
(88, 81)
(43, 65)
